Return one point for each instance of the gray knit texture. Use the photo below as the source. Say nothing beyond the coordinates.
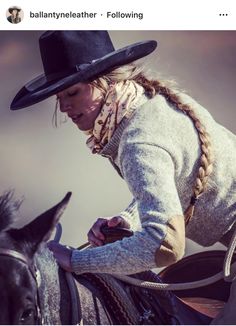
(158, 156)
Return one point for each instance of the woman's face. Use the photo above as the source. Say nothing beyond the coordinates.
(82, 103)
(14, 12)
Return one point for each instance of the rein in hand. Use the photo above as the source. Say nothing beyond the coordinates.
(112, 234)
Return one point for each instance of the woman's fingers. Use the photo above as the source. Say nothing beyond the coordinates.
(96, 228)
(62, 254)
(95, 236)
(93, 240)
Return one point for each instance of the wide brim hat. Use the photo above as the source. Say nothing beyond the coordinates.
(70, 57)
(14, 8)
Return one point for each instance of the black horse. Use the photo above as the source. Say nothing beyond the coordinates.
(34, 290)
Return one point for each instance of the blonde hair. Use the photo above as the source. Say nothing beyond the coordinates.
(153, 85)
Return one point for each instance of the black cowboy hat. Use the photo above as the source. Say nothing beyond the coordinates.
(75, 56)
(13, 8)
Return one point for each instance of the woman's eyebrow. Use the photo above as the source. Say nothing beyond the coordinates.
(72, 88)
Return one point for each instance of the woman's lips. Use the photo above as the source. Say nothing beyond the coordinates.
(76, 118)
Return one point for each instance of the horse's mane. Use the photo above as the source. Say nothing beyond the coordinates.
(49, 288)
(8, 209)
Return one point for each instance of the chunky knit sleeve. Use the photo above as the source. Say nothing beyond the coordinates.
(149, 171)
(150, 175)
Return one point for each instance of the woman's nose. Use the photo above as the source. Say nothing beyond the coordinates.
(64, 106)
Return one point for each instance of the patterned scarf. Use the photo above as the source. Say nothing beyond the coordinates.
(119, 103)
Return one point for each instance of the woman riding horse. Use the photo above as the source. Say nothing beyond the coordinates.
(177, 161)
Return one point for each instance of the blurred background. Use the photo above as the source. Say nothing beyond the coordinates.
(42, 162)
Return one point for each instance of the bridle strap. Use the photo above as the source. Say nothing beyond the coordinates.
(14, 254)
(33, 270)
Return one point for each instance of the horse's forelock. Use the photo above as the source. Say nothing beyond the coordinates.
(8, 209)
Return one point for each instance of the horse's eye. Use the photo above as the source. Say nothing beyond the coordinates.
(27, 315)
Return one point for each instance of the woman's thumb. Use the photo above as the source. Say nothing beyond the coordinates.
(118, 220)
(114, 221)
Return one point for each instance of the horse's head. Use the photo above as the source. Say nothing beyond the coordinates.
(18, 274)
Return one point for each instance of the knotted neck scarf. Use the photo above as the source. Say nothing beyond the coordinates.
(119, 102)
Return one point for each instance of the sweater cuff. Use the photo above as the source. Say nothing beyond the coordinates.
(79, 261)
(86, 262)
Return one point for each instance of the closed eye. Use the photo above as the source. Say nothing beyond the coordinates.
(72, 93)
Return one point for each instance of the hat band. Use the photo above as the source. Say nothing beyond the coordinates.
(40, 81)
(61, 74)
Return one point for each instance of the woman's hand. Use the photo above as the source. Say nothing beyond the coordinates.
(96, 237)
(62, 254)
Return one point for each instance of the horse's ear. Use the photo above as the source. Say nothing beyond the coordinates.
(41, 228)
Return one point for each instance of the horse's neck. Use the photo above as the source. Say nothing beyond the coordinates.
(54, 305)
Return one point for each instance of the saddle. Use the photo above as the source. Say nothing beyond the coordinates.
(209, 299)
(132, 305)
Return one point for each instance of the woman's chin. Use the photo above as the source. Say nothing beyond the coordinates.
(82, 127)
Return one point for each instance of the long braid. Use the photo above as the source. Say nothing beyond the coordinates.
(153, 87)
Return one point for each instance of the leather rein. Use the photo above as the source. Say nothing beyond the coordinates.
(228, 273)
(34, 271)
